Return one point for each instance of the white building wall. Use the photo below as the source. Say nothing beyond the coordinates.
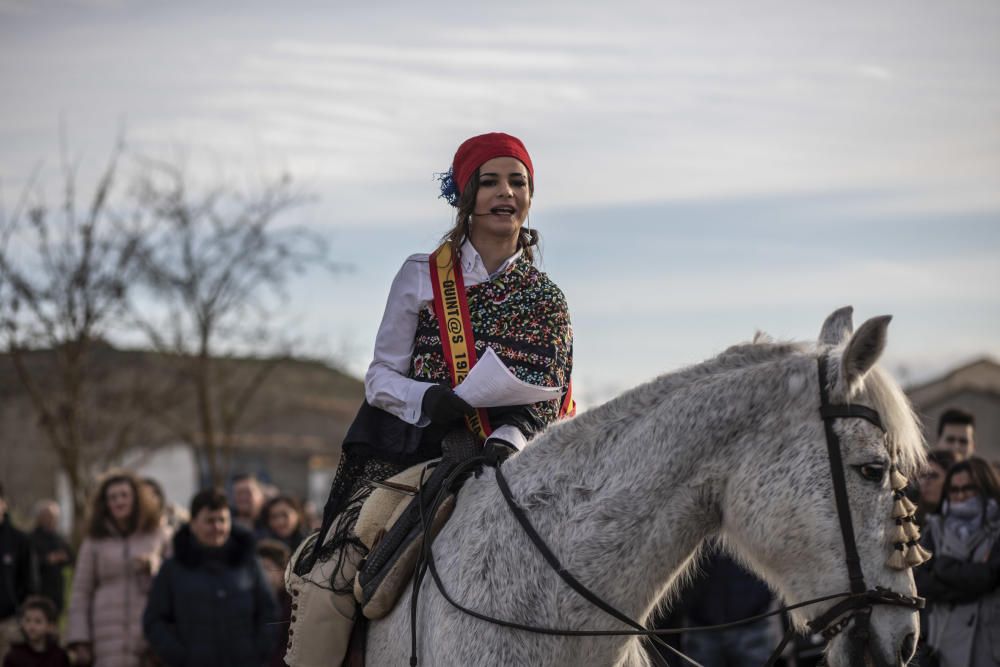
(173, 466)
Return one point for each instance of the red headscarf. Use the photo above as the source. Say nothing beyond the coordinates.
(474, 152)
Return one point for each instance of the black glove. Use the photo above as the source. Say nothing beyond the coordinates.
(443, 406)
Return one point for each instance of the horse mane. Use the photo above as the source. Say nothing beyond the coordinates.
(904, 439)
(638, 400)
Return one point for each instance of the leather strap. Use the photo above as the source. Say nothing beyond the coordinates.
(878, 595)
(553, 560)
(856, 576)
(859, 411)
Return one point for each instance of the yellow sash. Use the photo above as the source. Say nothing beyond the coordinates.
(452, 310)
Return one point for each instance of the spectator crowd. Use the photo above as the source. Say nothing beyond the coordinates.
(959, 506)
(151, 584)
(155, 585)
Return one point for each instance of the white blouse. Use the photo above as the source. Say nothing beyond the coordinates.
(386, 383)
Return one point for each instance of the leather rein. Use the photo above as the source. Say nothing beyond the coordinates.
(855, 605)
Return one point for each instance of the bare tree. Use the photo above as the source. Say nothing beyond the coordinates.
(215, 263)
(64, 277)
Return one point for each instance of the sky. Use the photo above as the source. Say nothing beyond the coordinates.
(703, 170)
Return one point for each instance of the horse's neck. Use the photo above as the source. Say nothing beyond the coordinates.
(627, 499)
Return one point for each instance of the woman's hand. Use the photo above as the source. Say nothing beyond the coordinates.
(443, 406)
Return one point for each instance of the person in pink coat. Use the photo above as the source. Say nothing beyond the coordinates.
(124, 547)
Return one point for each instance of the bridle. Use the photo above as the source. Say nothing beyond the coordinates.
(858, 605)
(855, 605)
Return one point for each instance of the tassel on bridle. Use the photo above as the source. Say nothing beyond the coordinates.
(907, 551)
(896, 480)
(897, 560)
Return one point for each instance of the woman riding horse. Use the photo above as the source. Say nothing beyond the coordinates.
(512, 308)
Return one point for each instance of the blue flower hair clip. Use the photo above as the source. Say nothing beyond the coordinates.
(449, 190)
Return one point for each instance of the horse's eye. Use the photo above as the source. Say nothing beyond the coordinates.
(873, 472)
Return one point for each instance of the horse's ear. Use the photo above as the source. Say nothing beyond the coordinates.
(837, 327)
(864, 349)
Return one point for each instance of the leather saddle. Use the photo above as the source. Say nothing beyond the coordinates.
(389, 524)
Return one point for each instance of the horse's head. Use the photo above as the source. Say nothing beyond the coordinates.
(780, 509)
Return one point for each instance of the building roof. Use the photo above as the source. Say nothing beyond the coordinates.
(303, 405)
(981, 375)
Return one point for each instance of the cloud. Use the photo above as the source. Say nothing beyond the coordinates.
(17, 7)
(715, 288)
(731, 162)
(696, 102)
(874, 72)
(518, 61)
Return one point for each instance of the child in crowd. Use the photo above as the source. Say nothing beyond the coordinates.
(274, 557)
(40, 647)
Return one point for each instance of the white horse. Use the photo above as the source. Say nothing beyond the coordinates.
(626, 494)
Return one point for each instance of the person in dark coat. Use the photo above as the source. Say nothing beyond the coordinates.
(18, 575)
(40, 647)
(723, 594)
(52, 551)
(211, 604)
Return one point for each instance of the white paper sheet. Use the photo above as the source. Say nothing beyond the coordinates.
(490, 384)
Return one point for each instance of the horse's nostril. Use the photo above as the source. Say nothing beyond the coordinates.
(908, 648)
